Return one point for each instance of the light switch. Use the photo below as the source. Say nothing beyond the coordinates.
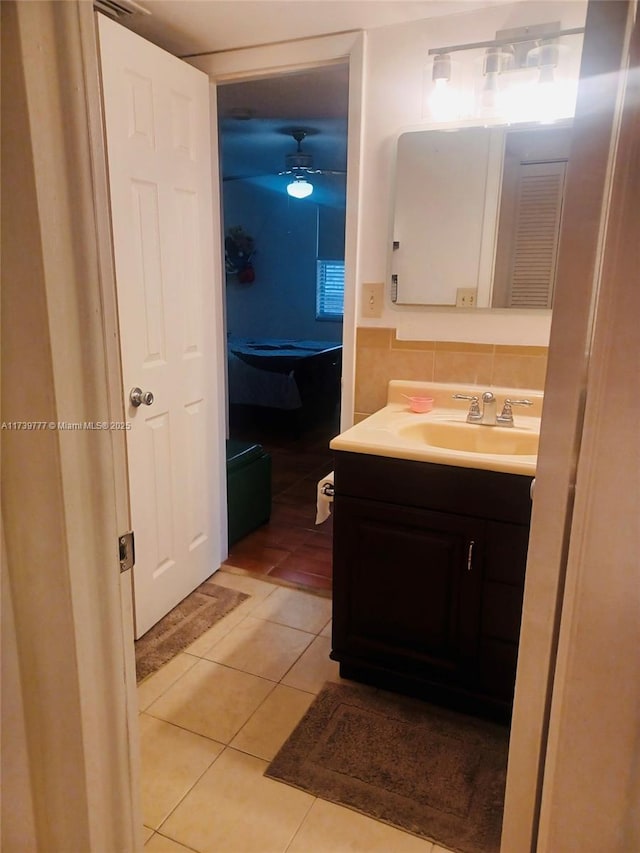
(372, 297)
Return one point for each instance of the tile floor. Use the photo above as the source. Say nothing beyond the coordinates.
(291, 549)
(212, 719)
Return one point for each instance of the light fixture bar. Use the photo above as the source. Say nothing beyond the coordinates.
(503, 42)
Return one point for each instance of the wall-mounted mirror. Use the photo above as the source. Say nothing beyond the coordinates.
(477, 216)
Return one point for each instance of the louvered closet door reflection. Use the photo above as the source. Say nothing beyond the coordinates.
(532, 268)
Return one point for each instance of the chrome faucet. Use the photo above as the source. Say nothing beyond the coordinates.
(476, 415)
(488, 414)
(489, 409)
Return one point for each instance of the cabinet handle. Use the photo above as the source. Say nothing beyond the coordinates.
(470, 555)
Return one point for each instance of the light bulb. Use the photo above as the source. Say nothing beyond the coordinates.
(490, 95)
(444, 101)
(553, 100)
(300, 188)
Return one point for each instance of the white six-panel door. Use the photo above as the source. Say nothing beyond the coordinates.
(157, 126)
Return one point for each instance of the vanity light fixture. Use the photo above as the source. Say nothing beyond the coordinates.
(528, 34)
(300, 187)
(521, 48)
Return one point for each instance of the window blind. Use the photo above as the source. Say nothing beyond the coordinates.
(330, 290)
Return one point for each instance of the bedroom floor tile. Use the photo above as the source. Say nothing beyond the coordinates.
(295, 513)
(297, 464)
(310, 559)
(275, 535)
(304, 491)
(245, 553)
(322, 537)
(302, 580)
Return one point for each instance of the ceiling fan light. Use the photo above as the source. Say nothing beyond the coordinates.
(300, 188)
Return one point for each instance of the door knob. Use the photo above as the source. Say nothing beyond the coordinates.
(138, 397)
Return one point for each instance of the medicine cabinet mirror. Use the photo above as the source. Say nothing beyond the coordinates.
(477, 216)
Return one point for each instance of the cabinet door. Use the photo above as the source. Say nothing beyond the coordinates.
(506, 558)
(407, 588)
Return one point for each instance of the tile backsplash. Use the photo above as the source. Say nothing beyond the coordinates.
(380, 357)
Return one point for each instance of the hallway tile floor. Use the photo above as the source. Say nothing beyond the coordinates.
(212, 719)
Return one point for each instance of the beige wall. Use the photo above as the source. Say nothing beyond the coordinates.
(380, 357)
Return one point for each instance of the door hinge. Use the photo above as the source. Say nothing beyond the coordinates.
(127, 550)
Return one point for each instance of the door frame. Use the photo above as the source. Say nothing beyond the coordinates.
(282, 58)
(73, 716)
(547, 603)
(597, 680)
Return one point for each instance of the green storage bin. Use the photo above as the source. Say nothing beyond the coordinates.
(248, 488)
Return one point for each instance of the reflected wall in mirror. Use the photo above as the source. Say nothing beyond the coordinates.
(477, 216)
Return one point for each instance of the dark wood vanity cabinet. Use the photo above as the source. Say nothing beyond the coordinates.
(428, 577)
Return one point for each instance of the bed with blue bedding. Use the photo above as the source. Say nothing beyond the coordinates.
(297, 376)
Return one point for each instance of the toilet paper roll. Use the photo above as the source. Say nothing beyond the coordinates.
(325, 498)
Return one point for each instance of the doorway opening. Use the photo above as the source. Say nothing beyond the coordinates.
(283, 155)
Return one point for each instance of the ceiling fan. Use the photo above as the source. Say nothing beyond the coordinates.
(300, 164)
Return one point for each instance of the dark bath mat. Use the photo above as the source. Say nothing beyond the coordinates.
(432, 772)
(205, 606)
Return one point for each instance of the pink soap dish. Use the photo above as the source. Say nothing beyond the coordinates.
(420, 404)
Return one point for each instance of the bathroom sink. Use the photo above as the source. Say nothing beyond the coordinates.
(442, 435)
(473, 438)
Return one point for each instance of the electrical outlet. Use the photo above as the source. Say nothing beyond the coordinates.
(372, 296)
(466, 297)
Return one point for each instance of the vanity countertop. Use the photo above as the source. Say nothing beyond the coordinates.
(443, 436)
